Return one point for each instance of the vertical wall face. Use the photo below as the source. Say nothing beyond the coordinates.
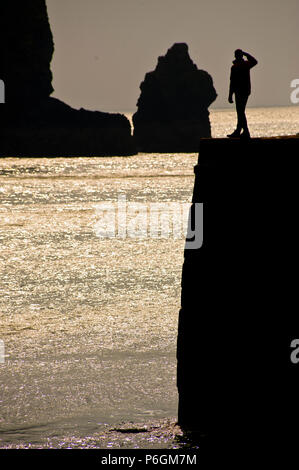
(26, 50)
(239, 309)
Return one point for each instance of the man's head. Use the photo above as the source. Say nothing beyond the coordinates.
(238, 54)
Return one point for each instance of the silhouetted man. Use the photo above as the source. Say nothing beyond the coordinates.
(240, 86)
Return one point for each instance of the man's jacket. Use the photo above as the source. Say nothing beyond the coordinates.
(240, 75)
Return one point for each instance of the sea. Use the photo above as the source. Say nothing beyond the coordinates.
(89, 310)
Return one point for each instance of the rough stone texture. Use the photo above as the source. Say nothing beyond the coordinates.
(32, 123)
(173, 106)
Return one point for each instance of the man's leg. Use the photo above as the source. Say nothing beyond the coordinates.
(241, 101)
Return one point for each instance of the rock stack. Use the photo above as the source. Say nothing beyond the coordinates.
(173, 106)
(32, 123)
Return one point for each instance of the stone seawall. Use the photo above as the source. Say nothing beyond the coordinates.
(239, 303)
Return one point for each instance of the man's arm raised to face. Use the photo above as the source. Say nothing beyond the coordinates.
(251, 60)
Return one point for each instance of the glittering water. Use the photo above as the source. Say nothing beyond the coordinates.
(265, 122)
(90, 324)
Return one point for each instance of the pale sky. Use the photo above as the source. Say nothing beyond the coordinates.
(103, 48)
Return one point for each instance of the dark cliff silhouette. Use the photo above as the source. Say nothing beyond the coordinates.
(33, 123)
(240, 86)
(173, 105)
(236, 382)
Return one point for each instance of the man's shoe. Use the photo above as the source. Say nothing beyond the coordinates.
(245, 135)
(234, 135)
